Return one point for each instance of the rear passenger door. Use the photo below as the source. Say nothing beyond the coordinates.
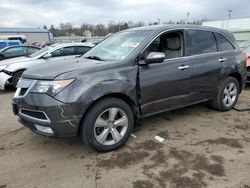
(201, 48)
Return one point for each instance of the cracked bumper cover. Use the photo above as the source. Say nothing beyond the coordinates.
(3, 80)
(63, 119)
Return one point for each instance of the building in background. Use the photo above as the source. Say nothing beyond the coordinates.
(31, 35)
(240, 27)
(87, 33)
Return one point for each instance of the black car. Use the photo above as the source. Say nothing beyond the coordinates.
(131, 75)
(17, 51)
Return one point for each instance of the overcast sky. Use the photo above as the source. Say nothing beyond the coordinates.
(36, 13)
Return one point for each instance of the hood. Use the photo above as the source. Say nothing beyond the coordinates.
(53, 69)
(15, 60)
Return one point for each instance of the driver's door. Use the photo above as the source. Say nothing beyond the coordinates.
(165, 86)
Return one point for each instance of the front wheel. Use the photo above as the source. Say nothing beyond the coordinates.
(107, 125)
(227, 95)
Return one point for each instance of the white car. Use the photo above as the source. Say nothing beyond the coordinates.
(11, 70)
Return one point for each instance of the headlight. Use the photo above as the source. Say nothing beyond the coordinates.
(51, 87)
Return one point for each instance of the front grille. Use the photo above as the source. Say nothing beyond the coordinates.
(34, 114)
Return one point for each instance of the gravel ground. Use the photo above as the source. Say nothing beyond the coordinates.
(203, 148)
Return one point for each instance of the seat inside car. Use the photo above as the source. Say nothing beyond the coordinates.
(171, 46)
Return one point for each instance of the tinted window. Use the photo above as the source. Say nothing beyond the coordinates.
(64, 51)
(13, 43)
(223, 43)
(3, 44)
(200, 42)
(17, 51)
(32, 50)
(82, 49)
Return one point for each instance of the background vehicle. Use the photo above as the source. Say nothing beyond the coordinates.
(12, 69)
(21, 38)
(247, 51)
(131, 75)
(6, 43)
(17, 51)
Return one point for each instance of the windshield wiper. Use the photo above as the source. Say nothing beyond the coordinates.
(95, 58)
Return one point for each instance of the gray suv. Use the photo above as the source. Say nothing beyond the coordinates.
(131, 75)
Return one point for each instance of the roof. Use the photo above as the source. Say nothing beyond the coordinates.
(72, 44)
(22, 30)
(174, 26)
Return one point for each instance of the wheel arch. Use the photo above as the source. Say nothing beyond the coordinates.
(238, 77)
(120, 96)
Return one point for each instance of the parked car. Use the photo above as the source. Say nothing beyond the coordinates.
(244, 44)
(6, 43)
(131, 75)
(17, 51)
(11, 70)
(247, 52)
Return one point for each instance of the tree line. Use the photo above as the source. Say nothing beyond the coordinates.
(67, 29)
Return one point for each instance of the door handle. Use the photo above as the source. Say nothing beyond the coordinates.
(183, 67)
(222, 59)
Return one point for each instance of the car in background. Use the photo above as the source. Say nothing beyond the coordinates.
(12, 69)
(6, 43)
(244, 44)
(247, 52)
(17, 51)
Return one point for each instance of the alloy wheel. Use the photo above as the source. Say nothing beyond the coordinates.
(110, 126)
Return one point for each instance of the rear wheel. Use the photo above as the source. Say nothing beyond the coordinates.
(227, 95)
(107, 125)
(17, 77)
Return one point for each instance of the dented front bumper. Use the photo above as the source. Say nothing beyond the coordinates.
(3, 80)
(47, 116)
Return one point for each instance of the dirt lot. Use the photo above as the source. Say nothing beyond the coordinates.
(203, 148)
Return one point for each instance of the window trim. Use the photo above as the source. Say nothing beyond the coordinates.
(182, 37)
(184, 29)
(234, 48)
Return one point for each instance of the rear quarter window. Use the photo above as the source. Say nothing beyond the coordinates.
(223, 43)
(200, 42)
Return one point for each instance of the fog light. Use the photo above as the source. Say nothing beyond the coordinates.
(44, 129)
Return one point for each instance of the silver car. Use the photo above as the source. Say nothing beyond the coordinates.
(11, 70)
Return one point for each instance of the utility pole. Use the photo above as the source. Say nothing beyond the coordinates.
(229, 14)
(159, 21)
(188, 13)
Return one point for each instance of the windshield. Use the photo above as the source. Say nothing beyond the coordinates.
(39, 52)
(117, 47)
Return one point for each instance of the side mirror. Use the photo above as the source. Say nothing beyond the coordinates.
(155, 57)
(46, 56)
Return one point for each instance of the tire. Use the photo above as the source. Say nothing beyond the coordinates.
(107, 125)
(221, 102)
(17, 77)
